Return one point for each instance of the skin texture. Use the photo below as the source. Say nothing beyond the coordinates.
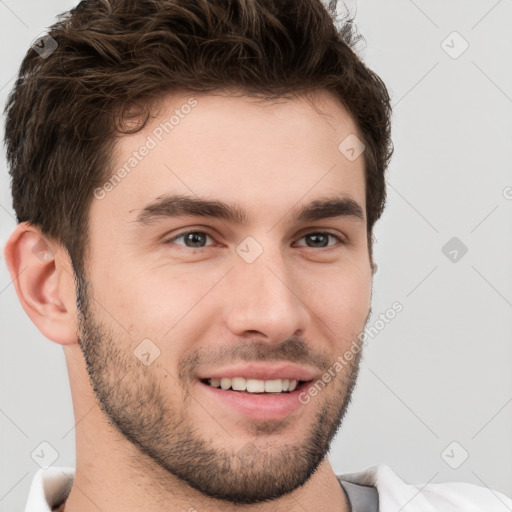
(148, 437)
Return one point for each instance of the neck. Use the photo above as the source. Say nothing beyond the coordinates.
(111, 491)
(112, 475)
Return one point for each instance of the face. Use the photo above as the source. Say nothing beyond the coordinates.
(176, 292)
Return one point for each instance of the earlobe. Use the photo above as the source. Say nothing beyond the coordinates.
(43, 283)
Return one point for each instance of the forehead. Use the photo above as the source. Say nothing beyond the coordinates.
(269, 156)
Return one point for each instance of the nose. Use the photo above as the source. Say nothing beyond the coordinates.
(267, 297)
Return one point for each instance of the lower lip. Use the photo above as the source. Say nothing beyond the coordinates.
(258, 407)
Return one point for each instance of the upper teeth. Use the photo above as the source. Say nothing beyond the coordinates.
(255, 385)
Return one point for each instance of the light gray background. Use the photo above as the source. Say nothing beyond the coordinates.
(440, 371)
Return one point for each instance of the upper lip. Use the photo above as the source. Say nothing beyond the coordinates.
(261, 371)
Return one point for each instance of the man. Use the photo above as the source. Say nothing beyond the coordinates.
(196, 185)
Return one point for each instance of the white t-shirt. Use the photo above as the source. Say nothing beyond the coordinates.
(51, 486)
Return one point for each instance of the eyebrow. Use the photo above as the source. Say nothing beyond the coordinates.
(172, 206)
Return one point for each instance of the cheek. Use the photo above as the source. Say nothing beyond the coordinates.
(342, 299)
(164, 304)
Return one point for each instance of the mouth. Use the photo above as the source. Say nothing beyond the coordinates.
(258, 391)
(259, 400)
(274, 387)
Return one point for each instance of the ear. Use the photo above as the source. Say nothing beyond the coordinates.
(43, 278)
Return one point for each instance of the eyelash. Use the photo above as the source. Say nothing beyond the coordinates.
(180, 235)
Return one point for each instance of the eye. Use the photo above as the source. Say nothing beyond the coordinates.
(321, 239)
(194, 238)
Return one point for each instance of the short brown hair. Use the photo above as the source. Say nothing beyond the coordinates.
(66, 110)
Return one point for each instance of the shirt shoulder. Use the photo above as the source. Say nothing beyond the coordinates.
(49, 488)
(397, 495)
